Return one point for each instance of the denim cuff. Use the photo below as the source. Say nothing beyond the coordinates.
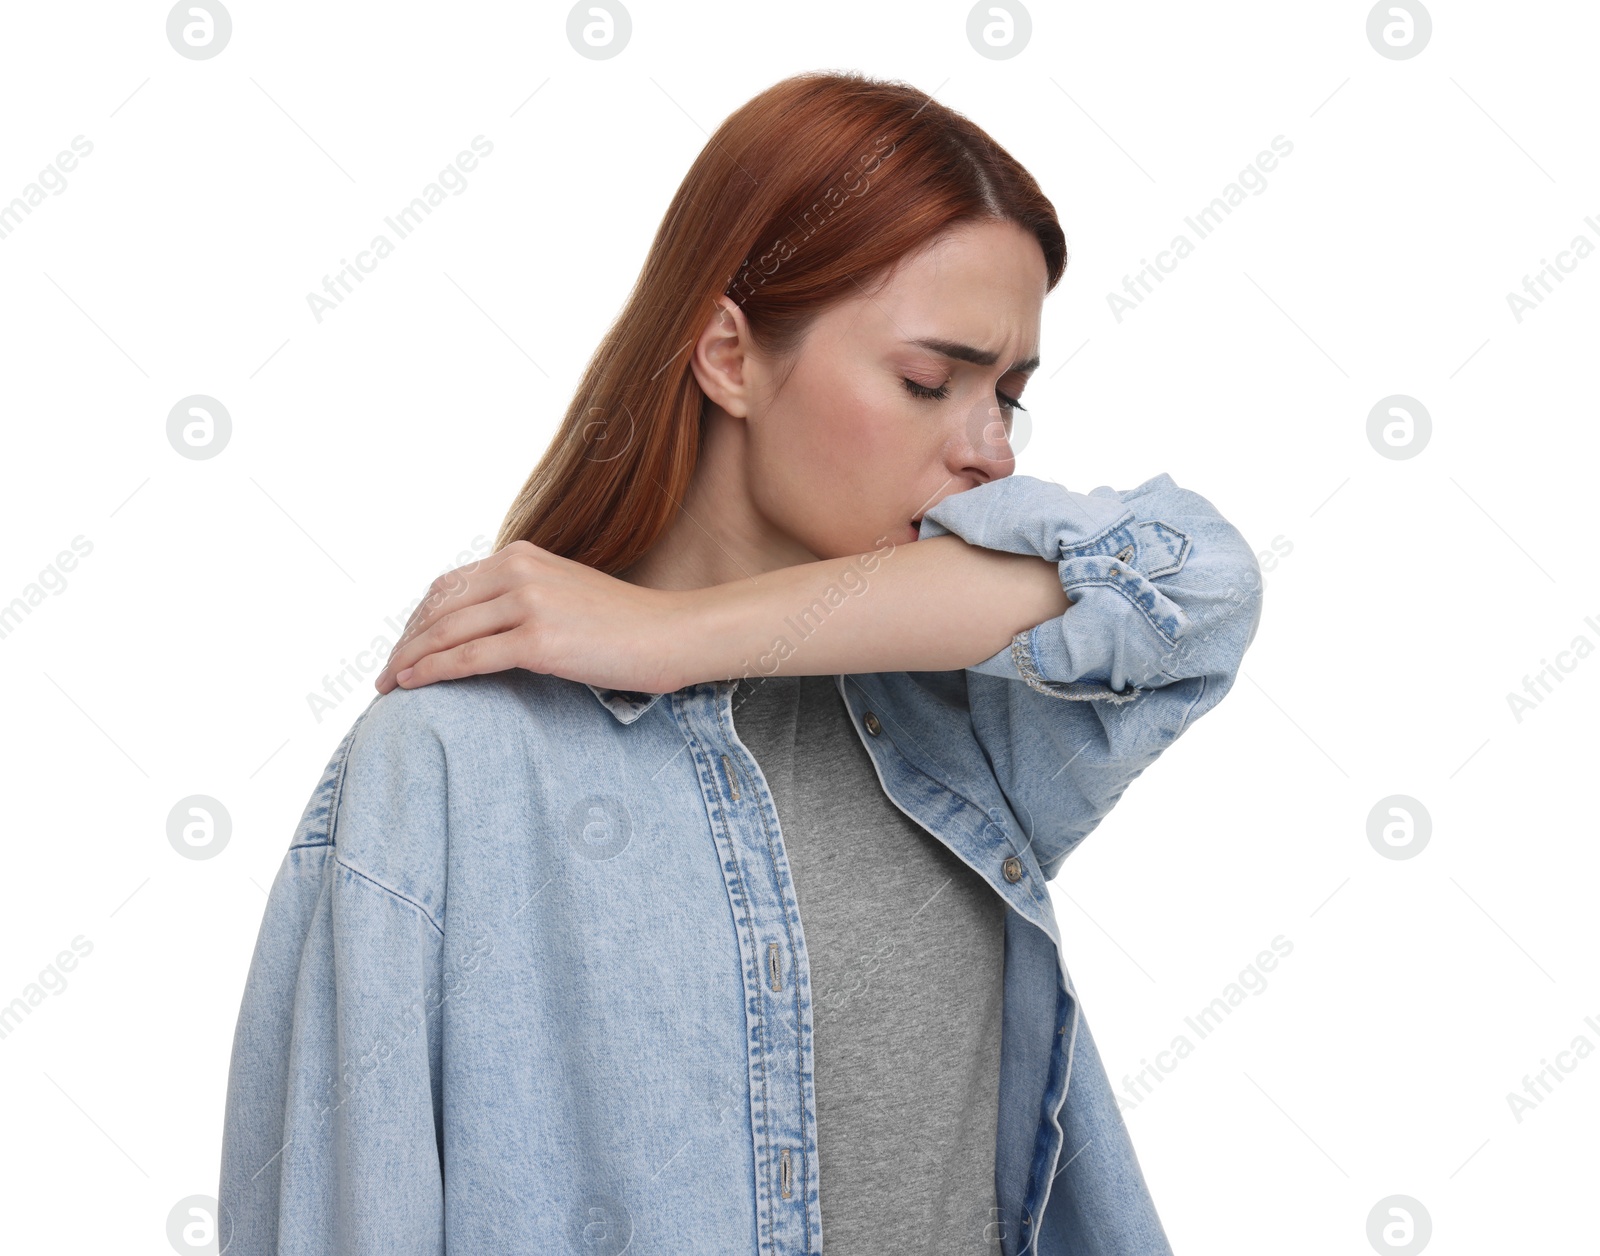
(1121, 632)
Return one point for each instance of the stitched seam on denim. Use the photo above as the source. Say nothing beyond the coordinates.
(936, 783)
(333, 817)
(1118, 585)
(336, 785)
(1183, 551)
(703, 756)
(1097, 538)
(324, 824)
(1027, 667)
(1039, 891)
(1066, 1087)
(941, 785)
(395, 894)
(1038, 898)
(744, 894)
(726, 725)
(1033, 882)
(1036, 885)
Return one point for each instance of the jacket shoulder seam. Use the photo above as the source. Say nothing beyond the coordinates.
(321, 833)
(392, 893)
(338, 782)
(370, 880)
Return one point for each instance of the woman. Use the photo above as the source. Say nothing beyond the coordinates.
(682, 890)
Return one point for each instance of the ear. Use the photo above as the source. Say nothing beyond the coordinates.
(720, 360)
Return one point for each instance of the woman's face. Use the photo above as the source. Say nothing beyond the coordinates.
(896, 400)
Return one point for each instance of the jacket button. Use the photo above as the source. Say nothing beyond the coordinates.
(1013, 869)
(871, 721)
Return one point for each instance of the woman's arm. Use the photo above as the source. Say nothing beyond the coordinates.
(331, 1128)
(1088, 596)
(1166, 598)
(935, 605)
(1076, 594)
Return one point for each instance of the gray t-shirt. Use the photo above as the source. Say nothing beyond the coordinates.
(906, 946)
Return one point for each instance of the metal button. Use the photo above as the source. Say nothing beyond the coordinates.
(1013, 869)
(871, 721)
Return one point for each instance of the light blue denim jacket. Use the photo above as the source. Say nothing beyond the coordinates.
(531, 977)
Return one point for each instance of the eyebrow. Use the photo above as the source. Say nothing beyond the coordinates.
(966, 353)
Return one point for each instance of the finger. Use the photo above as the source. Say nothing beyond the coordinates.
(453, 591)
(477, 657)
(448, 590)
(458, 587)
(481, 619)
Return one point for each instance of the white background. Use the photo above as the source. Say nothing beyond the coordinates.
(370, 449)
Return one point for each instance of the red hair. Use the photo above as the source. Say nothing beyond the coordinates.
(807, 195)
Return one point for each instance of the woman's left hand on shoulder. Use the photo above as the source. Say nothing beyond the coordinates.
(523, 606)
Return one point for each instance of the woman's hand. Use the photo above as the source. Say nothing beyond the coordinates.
(526, 607)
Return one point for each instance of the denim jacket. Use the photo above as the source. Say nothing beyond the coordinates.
(530, 977)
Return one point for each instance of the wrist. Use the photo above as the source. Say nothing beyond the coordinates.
(736, 629)
(701, 627)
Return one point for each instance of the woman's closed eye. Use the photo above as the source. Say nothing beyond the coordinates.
(943, 391)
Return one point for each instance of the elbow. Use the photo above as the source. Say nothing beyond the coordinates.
(1238, 588)
(1224, 607)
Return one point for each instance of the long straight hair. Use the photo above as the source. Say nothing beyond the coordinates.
(808, 194)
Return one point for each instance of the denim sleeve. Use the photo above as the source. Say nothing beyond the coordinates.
(331, 1131)
(1165, 597)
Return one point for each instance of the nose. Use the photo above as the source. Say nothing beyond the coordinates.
(984, 445)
